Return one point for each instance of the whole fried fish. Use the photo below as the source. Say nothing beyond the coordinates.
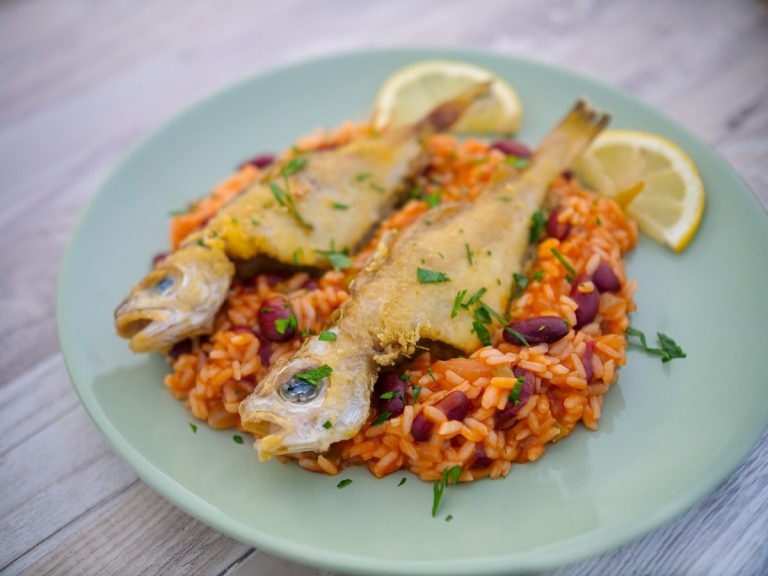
(290, 216)
(407, 293)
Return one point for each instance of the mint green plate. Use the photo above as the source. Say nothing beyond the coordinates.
(669, 433)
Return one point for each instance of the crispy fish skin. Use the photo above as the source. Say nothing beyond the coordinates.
(290, 217)
(389, 310)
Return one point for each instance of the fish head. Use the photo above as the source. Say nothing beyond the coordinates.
(178, 299)
(318, 397)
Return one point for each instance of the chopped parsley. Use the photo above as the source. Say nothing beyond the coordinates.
(235, 221)
(313, 376)
(505, 198)
(425, 276)
(382, 417)
(429, 371)
(517, 161)
(469, 253)
(433, 199)
(285, 199)
(327, 336)
(293, 166)
(296, 255)
(668, 351)
(200, 242)
(388, 395)
(237, 438)
(476, 296)
(339, 260)
(521, 282)
(282, 324)
(450, 476)
(182, 211)
(566, 264)
(405, 377)
(255, 222)
(537, 227)
(340, 206)
(598, 221)
(327, 425)
(344, 483)
(458, 303)
(416, 391)
(193, 427)
(376, 187)
(538, 277)
(402, 481)
(514, 394)
(449, 518)
(363, 176)
(482, 332)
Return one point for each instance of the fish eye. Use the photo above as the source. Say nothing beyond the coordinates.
(298, 391)
(163, 285)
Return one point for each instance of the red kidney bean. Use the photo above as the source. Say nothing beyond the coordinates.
(261, 161)
(555, 228)
(537, 330)
(159, 257)
(421, 429)
(605, 278)
(589, 352)
(512, 148)
(588, 303)
(506, 418)
(480, 460)
(455, 406)
(272, 310)
(389, 382)
(265, 350)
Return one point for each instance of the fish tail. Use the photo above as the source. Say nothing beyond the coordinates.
(446, 114)
(568, 140)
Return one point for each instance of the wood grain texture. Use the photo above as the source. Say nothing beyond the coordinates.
(82, 82)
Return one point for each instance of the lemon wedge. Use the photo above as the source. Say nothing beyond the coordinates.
(652, 178)
(411, 92)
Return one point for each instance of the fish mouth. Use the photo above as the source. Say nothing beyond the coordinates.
(142, 327)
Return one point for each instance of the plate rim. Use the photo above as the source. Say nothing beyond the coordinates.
(579, 548)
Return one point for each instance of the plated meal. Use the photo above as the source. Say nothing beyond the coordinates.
(394, 295)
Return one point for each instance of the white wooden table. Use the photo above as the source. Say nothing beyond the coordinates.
(81, 82)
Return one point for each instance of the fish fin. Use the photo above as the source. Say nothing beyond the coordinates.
(446, 114)
(566, 142)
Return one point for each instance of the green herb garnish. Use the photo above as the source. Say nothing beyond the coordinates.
(327, 336)
(669, 348)
(340, 206)
(458, 303)
(200, 242)
(193, 427)
(405, 377)
(344, 483)
(450, 476)
(293, 166)
(449, 518)
(521, 282)
(538, 277)
(381, 418)
(433, 199)
(376, 187)
(363, 176)
(313, 376)
(598, 221)
(237, 438)
(429, 371)
(469, 253)
(339, 260)
(402, 481)
(255, 222)
(282, 324)
(327, 425)
(537, 226)
(517, 161)
(416, 391)
(285, 199)
(425, 276)
(514, 394)
(388, 395)
(476, 296)
(565, 263)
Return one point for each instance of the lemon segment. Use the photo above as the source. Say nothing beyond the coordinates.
(671, 202)
(411, 92)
